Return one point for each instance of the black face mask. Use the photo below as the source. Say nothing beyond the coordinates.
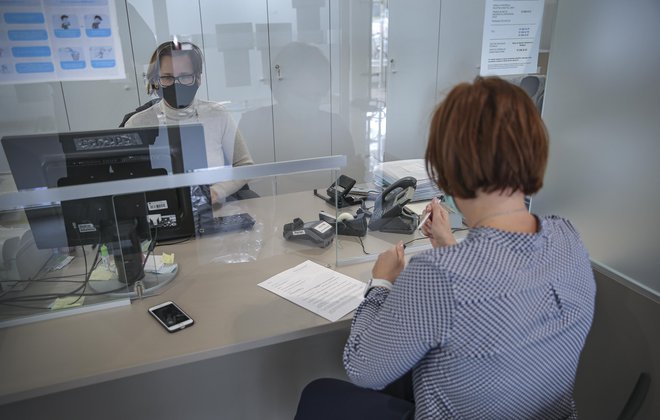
(178, 96)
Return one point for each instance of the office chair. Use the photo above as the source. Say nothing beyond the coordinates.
(138, 109)
(637, 397)
(330, 398)
(533, 85)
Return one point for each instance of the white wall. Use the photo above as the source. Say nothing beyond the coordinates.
(601, 108)
(435, 45)
(69, 106)
(411, 80)
(241, 41)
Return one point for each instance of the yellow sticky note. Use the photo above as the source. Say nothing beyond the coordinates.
(67, 302)
(168, 258)
(101, 273)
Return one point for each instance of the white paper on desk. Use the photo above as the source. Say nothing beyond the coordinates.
(318, 289)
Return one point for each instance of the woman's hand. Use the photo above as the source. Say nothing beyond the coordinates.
(389, 264)
(438, 226)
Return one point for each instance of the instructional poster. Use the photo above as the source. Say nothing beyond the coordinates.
(512, 33)
(59, 40)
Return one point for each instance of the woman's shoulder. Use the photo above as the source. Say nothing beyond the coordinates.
(557, 224)
(441, 258)
(477, 240)
(556, 220)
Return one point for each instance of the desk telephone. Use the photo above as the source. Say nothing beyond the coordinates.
(390, 214)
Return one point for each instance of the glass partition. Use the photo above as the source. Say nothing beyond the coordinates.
(416, 56)
(92, 229)
(264, 83)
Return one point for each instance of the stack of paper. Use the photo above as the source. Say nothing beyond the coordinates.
(387, 173)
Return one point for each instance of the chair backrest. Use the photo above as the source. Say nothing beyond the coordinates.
(138, 109)
(637, 397)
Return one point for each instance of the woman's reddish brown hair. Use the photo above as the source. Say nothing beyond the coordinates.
(489, 136)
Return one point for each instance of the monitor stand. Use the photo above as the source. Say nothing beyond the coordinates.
(127, 253)
(151, 284)
(129, 267)
(130, 279)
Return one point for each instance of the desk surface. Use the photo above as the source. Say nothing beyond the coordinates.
(231, 312)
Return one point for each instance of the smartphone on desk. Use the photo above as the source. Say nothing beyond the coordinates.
(171, 316)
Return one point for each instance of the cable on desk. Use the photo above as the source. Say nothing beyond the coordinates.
(49, 279)
(150, 248)
(30, 281)
(36, 298)
(14, 305)
(89, 273)
(362, 243)
(49, 296)
(56, 279)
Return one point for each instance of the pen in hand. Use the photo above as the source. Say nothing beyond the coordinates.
(424, 219)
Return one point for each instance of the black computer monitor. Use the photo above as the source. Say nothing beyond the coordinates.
(75, 158)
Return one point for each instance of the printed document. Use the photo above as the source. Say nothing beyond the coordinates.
(318, 289)
(511, 37)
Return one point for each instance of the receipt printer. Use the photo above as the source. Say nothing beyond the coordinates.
(317, 232)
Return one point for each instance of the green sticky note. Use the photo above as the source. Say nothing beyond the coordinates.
(67, 302)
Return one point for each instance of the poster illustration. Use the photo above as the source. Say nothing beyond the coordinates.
(59, 40)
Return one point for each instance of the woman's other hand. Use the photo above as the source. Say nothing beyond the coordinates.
(389, 264)
(438, 226)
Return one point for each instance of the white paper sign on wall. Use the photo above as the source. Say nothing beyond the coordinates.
(512, 33)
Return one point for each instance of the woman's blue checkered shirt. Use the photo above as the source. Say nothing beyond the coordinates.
(492, 327)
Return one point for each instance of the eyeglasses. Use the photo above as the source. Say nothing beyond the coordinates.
(183, 79)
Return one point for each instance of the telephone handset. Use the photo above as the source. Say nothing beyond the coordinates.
(389, 213)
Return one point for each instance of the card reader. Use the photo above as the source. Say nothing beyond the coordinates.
(317, 232)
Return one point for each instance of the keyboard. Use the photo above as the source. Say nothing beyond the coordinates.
(231, 223)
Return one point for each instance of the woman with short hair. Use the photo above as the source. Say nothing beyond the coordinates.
(492, 326)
